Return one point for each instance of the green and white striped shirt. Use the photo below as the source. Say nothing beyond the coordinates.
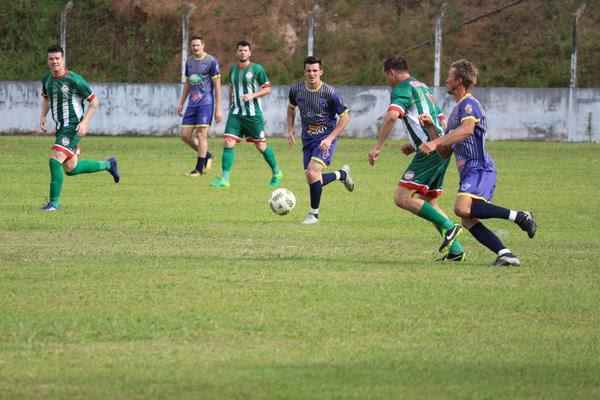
(66, 94)
(244, 81)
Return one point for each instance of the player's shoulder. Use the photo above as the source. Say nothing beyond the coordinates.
(469, 103)
(74, 76)
(298, 86)
(46, 77)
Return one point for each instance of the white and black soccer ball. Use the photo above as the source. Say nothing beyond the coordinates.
(282, 201)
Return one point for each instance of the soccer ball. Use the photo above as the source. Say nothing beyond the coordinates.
(282, 201)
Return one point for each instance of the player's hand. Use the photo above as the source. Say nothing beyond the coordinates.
(374, 154)
(43, 124)
(218, 115)
(81, 129)
(325, 144)
(247, 97)
(425, 120)
(292, 137)
(180, 110)
(428, 147)
(407, 149)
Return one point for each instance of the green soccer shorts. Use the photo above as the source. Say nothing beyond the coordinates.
(239, 127)
(426, 174)
(67, 142)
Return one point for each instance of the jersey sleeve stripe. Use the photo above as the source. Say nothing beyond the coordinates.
(469, 117)
(290, 105)
(442, 117)
(215, 76)
(266, 85)
(91, 97)
(397, 108)
(347, 111)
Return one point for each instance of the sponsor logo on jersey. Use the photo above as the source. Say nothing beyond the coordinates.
(249, 75)
(196, 96)
(65, 141)
(262, 134)
(64, 89)
(460, 164)
(468, 109)
(314, 130)
(465, 186)
(195, 79)
(409, 176)
(322, 101)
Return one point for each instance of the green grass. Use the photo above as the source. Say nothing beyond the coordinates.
(161, 287)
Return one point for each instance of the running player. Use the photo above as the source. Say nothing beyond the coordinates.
(203, 77)
(248, 83)
(466, 134)
(422, 181)
(319, 104)
(64, 92)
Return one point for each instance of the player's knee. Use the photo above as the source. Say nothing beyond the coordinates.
(462, 211)
(228, 143)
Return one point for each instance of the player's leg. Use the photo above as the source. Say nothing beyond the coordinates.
(481, 233)
(56, 179)
(313, 173)
(342, 174)
(485, 210)
(233, 135)
(73, 166)
(186, 133)
(202, 163)
(269, 157)
(456, 252)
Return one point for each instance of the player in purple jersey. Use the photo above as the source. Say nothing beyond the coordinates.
(203, 77)
(319, 105)
(466, 134)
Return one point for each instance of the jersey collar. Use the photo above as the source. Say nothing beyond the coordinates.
(313, 90)
(60, 76)
(464, 97)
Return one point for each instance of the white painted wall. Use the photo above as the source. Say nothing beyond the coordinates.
(151, 109)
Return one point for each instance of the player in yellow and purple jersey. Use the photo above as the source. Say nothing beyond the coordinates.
(467, 127)
(64, 93)
(422, 181)
(248, 83)
(319, 106)
(203, 78)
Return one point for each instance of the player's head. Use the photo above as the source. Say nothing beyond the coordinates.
(395, 68)
(197, 44)
(312, 71)
(462, 73)
(243, 51)
(56, 59)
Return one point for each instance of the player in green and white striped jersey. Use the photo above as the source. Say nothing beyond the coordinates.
(422, 181)
(248, 83)
(64, 92)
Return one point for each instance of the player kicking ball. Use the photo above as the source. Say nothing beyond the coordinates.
(64, 93)
(319, 106)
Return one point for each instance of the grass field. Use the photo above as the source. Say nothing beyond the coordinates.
(162, 287)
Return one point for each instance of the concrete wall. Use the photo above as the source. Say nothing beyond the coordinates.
(150, 109)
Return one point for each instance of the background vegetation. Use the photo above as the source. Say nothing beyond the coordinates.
(139, 41)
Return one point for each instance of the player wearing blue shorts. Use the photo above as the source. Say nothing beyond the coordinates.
(466, 131)
(203, 77)
(319, 104)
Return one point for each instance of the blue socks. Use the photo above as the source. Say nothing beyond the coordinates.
(486, 238)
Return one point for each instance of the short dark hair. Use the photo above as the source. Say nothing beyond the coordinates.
(396, 63)
(55, 49)
(197, 37)
(312, 60)
(243, 43)
(466, 71)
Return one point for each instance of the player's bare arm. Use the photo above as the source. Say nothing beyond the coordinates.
(466, 129)
(262, 92)
(184, 95)
(217, 86)
(291, 115)
(341, 124)
(386, 130)
(82, 126)
(45, 109)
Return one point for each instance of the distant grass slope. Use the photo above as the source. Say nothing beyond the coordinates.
(525, 46)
